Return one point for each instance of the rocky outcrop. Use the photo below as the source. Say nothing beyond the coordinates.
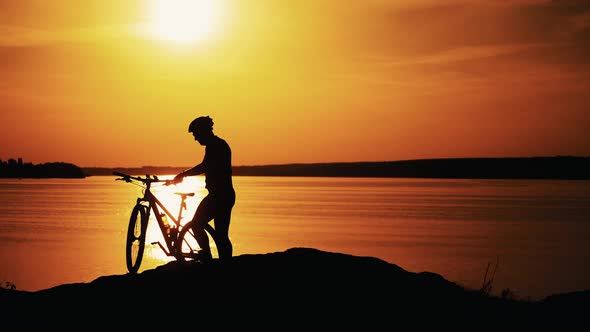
(300, 288)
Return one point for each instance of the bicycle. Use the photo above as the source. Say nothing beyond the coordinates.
(179, 238)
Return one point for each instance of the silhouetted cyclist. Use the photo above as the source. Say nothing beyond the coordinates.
(221, 197)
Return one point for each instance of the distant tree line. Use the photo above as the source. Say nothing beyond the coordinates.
(152, 170)
(556, 167)
(13, 168)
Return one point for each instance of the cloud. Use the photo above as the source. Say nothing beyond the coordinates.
(435, 32)
(23, 37)
(466, 53)
(40, 22)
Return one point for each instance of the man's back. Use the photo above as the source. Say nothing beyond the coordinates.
(218, 166)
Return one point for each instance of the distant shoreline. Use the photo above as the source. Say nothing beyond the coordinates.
(14, 169)
(558, 167)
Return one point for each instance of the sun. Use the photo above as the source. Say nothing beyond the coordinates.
(184, 21)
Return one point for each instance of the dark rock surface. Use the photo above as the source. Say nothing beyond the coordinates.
(300, 288)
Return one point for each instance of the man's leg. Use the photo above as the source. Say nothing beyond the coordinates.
(224, 244)
(202, 216)
(222, 220)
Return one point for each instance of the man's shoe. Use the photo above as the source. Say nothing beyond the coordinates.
(203, 256)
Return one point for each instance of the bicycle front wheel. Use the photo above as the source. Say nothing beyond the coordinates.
(136, 237)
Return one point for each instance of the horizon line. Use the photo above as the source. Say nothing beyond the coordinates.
(354, 162)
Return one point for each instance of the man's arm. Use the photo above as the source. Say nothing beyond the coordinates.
(199, 169)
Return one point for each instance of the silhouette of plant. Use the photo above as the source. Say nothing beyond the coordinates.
(7, 285)
(486, 286)
(508, 294)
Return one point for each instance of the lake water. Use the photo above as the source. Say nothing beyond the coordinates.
(59, 231)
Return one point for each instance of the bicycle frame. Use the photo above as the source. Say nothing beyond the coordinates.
(170, 231)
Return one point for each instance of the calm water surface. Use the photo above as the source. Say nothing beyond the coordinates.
(58, 231)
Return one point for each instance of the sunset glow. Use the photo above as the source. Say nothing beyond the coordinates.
(184, 21)
(293, 81)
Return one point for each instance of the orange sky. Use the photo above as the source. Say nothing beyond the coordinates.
(296, 81)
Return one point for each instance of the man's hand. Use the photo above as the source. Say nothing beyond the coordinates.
(178, 178)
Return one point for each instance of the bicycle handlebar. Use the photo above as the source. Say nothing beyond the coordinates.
(146, 180)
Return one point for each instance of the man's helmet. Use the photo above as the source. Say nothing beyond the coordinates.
(202, 123)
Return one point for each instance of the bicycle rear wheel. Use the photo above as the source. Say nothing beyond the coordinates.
(136, 237)
(187, 247)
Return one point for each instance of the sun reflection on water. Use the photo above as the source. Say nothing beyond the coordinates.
(169, 197)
